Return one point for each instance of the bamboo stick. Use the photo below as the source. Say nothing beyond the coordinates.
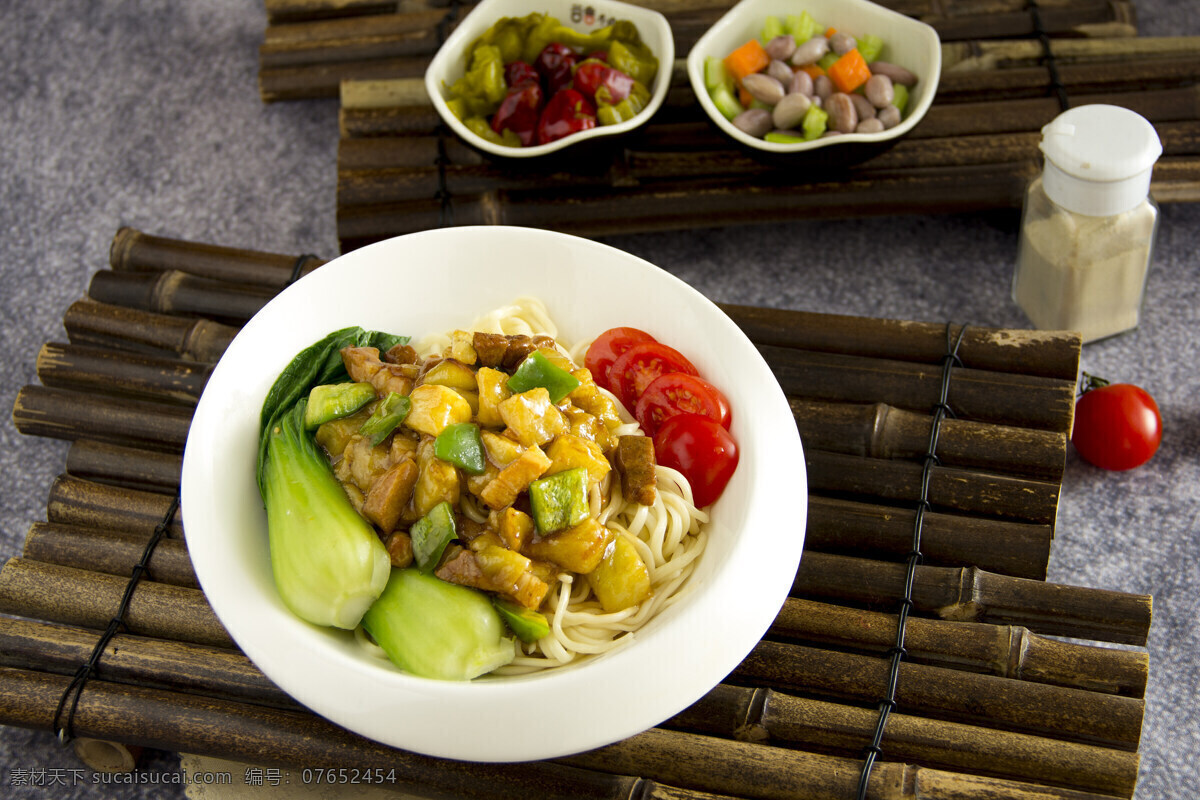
(879, 430)
(279, 11)
(61, 414)
(1036, 709)
(110, 552)
(972, 595)
(766, 715)
(90, 599)
(998, 397)
(1049, 354)
(96, 505)
(278, 737)
(93, 369)
(102, 325)
(869, 529)
(140, 661)
(357, 38)
(129, 467)
(971, 491)
(1008, 651)
(175, 292)
(135, 251)
(1009, 53)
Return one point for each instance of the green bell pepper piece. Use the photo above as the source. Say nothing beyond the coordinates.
(559, 501)
(537, 370)
(527, 624)
(461, 445)
(430, 535)
(332, 401)
(390, 412)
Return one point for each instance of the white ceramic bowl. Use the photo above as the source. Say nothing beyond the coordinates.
(907, 42)
(436, 281)
(449, 62)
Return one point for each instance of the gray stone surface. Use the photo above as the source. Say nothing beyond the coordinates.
(146, 113)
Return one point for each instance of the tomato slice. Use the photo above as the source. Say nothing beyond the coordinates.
(702, 450)
(633, 371)
(680, 393)
(605, 350)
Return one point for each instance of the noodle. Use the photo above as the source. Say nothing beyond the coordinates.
(669, 535)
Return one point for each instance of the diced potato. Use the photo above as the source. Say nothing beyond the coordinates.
(436, 482)
(452, 373)
(461, 348)
(621, 579)
(389, 495)
(503, 567)
(404, 446)
(513, 527)
(532, 417)
(568, 451)
(515, 478)
(336, 434)
(556, 358)
(434, 407)
(477, 483)
(487, 538)
(493, 390)
(579, 549)
(472, 399)
(500, 450)
(589, 397)
(587, 426)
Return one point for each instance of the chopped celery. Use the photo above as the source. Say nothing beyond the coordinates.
(772, 28)
(815, 121)
(725, 102)
(715, 73)
(332, 401)
(537, 370)
(328, 562)
(430, 535)
(802, 27)
(461, 445)
(779, 137)
(869, 47)
(559, 501)
(899, 96)
(828, 60)
(527, 624)
(435, 629)
(390, 412)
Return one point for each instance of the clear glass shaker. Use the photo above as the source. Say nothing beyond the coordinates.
(1088, 225)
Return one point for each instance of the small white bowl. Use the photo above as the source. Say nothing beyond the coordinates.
(436, 281)
(449, 62)
(907, 42)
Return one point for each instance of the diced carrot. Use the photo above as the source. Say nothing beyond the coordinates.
(849, 72)
(830, 32)
(813, 71)
(744, 97)
(747, 59)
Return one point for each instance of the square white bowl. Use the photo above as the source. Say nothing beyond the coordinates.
(449, 62)
(907, 42)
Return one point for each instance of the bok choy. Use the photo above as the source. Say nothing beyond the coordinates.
(329, 564)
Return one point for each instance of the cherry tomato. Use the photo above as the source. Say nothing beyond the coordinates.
(633, 371)
(605, 350)
(702, 450)
(680, 393)
(1117, 425)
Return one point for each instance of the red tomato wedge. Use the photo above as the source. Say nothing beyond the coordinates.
(680, 393)
(605, 350)
(633, 371)
(700, 449)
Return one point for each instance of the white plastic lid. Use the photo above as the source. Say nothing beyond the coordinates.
(1099, 159)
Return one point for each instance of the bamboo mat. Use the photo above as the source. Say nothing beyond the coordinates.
(400, 170)
(990, 701)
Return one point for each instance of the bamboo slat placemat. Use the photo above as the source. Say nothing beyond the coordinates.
(400, 170)
(990, 701)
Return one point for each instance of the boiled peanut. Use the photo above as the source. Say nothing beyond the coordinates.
(842, 115)
(879, 90)
(810, 51)
(763, 87)
(781, 47)
(789, 111)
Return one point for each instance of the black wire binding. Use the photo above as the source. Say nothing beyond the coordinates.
(298, 268)
(65, 732)
(897, 652)
(443, 196)
(1039, 31)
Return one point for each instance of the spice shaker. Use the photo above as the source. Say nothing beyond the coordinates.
(1088, 224)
